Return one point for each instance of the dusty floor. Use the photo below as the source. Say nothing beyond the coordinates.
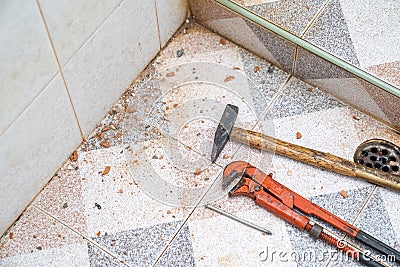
(134, 193)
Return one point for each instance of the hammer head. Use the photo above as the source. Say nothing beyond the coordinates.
(224, 129)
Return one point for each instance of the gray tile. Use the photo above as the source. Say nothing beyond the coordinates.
(281, 49)
(180, 251)
(331, 33)
(300, 98)
(346, 208)
(311, 66)
(140, 247)
(375, 221)
(98, 257)
(264, 79)
(293, 16)
(375, 29)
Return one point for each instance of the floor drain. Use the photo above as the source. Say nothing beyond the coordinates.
(379, 154)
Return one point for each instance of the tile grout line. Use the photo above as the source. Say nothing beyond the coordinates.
(273, 100)
(158, 24)
(313, 19)
(166, 134)
(93, 33)
(59, 67)
(29, 103)
(88, 239)
(345, 236)
(52, 78)
(308, 26)
(185, 220)
(365, 203)
(212, 184)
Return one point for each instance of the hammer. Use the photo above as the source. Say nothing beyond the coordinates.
(226, 131)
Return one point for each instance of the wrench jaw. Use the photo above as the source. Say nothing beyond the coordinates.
(245, 187)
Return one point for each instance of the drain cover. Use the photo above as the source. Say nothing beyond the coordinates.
(379, 154)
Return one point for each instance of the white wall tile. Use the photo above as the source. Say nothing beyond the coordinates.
(34, 147)
(72, 22)
(101, 70)
(27, 62)
(171, 15)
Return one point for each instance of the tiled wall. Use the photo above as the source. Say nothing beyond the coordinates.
(64, 64)
(333, 25)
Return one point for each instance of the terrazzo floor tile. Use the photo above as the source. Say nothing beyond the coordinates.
(305, 116)
(369, 128)
(320, 252)
(36, 239)
(264, 79)
(374, 29)
(140, 247)
(116, 201)
(63, 196)
(331, 33)
(292, 16)
(180, 251)
(330, 131)
(387, 200)
(220, 241)
(375, 220)
(300, 98)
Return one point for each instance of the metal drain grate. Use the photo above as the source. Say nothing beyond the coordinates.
(379, 154)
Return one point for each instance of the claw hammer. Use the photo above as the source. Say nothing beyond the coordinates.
(226, 131)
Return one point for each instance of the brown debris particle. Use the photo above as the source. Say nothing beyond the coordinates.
(100, 135)
(155, 157)
(161, 157)
(175, 105)
(121, 191)
(171, 74)
(106, 128)
(299, 135)
(39, 248)
(236, 68)
(256, 69)
(98, 233)
(106, 170)
(229, 78)
(309, 89)
(11, 235)
(356, 118)
(222, 41)
(105, 144)
(226, 156)
(74, 156)
(197, 172)
(131, 109)
(34, 236)
(343, 194)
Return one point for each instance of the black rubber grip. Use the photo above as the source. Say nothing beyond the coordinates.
(368, 261)
(378, 245)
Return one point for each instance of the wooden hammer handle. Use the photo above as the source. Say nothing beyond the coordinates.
(315, 158)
